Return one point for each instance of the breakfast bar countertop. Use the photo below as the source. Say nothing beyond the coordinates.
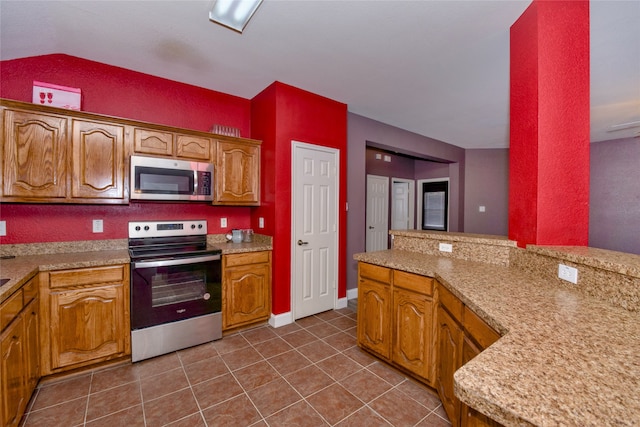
(564, 358)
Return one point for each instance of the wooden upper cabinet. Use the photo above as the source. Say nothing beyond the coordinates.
(171, 144)
(98, 160)
(237, 173)
(193, 147)
(34, 155)
(148, 141)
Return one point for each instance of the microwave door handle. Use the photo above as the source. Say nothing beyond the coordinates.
(170, 262)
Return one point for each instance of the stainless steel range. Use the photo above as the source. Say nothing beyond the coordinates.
(176, 289)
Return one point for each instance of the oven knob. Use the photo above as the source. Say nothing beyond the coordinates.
(137, 228)
(146, 228)
(193, 226)
(199, 225)
(206, 296)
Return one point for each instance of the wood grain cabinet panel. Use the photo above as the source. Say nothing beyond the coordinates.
(450, 336)
(150, 141)
(13, 369)
(374, 316)
(87, 325)
(19, 356)
(98, 160)
(246, 289)
(193, 147)
(87, 317)
(237, 173)
(413, 331)
(34, 154)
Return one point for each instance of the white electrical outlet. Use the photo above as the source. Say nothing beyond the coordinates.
(445, 247)
(261, 222)
(98, 226)
(223, 222)
(567, 273)
(3, 228)
(481, 209)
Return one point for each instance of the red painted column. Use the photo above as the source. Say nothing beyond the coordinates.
(549, 132)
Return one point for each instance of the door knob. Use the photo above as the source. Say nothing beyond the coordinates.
(371, 227)
(300, 243)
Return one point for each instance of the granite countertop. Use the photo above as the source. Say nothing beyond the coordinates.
(22, 268)
(564, 358)
(32, 258)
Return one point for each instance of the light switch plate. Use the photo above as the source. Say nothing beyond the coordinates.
(261, 222)
(223, 222)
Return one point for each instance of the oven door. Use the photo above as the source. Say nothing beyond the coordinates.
(168, 290)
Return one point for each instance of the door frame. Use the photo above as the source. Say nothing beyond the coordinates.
(336, 153)
(412, 200)
(419, 200)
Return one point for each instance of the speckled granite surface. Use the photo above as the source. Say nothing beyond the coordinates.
(565, 358)
(34, 257)
(472, 247)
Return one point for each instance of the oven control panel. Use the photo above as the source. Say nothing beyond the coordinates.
(140, 229)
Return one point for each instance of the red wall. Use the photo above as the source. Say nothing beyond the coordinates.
(549, 132)
(301, 116)
(123, 93)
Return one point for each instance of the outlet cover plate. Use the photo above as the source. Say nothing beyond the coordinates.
(445, 247)
(223, 222)
(3, 228)
(98, 226)
(570, 274)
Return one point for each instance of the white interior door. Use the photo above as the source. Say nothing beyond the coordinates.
(314, 228)
(377, 221)
(402, 204)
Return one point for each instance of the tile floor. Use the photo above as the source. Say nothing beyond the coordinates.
(310, 373)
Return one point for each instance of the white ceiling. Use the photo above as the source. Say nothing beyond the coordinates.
(436, 68)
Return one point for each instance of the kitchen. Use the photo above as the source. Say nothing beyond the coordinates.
(25, 223)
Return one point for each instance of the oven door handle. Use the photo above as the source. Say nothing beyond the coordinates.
(170, 262)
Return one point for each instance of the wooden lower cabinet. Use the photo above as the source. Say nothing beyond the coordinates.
(395, 318)
(19, 356)
(374, 309)
(88, 317)
(462, 335)
(246, 289)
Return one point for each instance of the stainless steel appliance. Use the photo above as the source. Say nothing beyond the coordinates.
(176, 288)
(153, 178)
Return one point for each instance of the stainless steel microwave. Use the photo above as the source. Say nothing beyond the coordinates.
(154, 178)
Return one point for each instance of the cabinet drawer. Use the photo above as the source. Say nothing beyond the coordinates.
(375, 272)
(413, 282)
(482, 333)
(247, 258)
(30, 291)
(10, 309)
(193, 147)
(86, 276)
(450, 302)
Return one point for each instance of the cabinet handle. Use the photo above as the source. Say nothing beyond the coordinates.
(300, 243)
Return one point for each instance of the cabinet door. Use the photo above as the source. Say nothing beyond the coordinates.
(193, 147)
(449, 360)
(151, 141)
(34, 155)
(413, 314)
(246, 294)
(87, 325)
(237, 174)
(32, 346)
(98, 161)
(12, 367)
(374, 317)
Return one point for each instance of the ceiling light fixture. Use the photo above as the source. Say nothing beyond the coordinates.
(233, 14)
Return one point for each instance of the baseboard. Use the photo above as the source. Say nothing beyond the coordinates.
(277, 320)
(341, 303)
(352, 293)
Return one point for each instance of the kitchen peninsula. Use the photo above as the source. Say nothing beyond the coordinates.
(569, 354)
